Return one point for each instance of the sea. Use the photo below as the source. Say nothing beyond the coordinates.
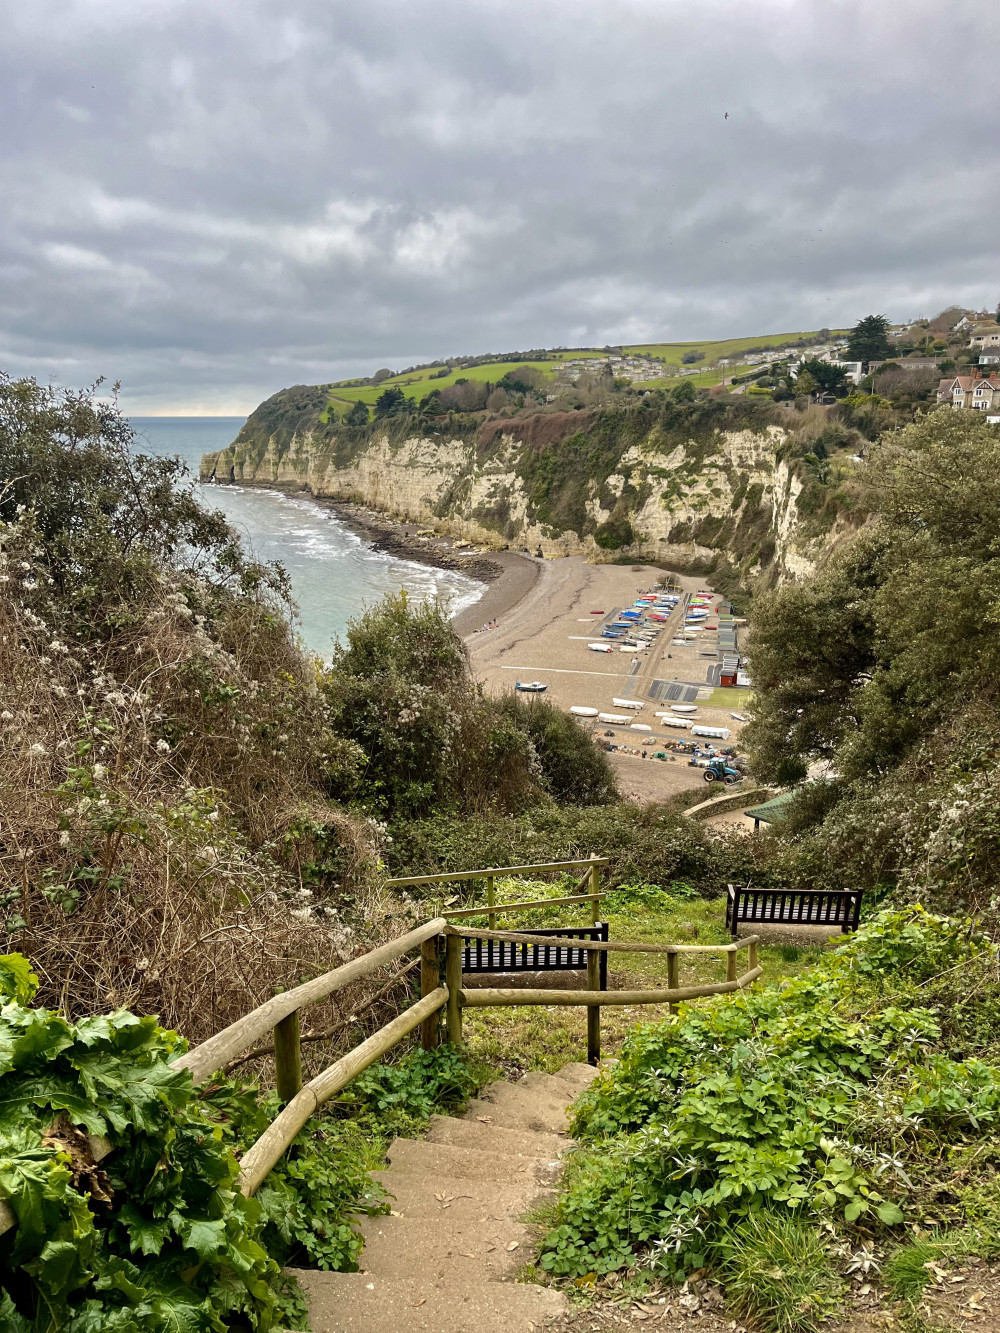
(334, 573)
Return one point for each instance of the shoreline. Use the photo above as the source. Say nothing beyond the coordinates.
(508, 576)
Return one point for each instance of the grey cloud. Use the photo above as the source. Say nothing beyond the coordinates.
(209, 200)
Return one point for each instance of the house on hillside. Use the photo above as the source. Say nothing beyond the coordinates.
(985, 335)
(970, 319)
(906, 363)
(981, 394)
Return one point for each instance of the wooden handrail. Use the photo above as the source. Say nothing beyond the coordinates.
(261, 1157)
(486, 998)
(497, 909)
(448, 875)
(231, 1041)
(599, 946)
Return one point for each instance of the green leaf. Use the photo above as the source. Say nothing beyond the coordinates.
(890, 1214)
(17, 981)
(853, 1211)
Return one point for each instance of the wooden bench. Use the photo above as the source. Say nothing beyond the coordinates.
(791, 907)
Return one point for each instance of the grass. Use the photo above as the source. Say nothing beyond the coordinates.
(417, 383)
(522, 1038)
(730, 697)
(777, 1273)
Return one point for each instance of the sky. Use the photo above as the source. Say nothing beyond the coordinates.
(209, 200)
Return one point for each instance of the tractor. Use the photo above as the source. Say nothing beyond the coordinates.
(717, 771)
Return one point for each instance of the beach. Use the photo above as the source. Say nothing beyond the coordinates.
(545, 635)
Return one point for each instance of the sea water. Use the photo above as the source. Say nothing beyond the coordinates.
(334, 573)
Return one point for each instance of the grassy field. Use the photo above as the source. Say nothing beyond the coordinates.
(418, 383)
(519, 1038)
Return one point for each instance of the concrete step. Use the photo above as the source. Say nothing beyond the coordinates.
(361, 1303)
(417, 1157)
(452, 1196)
(475, 1251)
(483, 1133)
(579, 1075)
(512, 1106)
(548, 1083)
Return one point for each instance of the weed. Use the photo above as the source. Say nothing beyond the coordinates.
(777, 1273)
(906, 1272)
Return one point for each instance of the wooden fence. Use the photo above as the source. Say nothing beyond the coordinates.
(439, 941)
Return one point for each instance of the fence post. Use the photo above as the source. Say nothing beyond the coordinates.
(430, 979)
(731, 965)
(593, 1010)
(491, 901)
(595, 887)
(288, 1057)
(453, 980)
(751, 957)
(673, 976)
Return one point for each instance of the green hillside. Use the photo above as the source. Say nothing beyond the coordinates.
(417, 383)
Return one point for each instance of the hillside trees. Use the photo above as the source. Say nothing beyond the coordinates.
(869, 339)
(887, 663)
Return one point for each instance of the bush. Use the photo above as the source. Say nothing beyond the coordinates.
(158, 1237)
(651, 845)
(824, 1097)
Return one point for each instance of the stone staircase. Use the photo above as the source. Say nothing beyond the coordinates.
(444, 1261)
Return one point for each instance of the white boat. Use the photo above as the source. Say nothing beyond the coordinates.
(580, 711)
(619, 718)
(683, 708)
(672, 720)
(627, 703)
(738, 717)
(716, 733)
(600, 647)
(639, 726)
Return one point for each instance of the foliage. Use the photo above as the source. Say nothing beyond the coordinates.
(869, 339)
(162, 740)
(777, 1273)
(886, 664)
(821, 1097)
(157, 1239)
(401, 690)
(825, 375)
(643, 845)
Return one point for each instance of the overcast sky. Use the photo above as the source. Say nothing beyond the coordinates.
(212, 199)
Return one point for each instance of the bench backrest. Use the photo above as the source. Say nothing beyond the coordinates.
(508, 956)
(792, 907)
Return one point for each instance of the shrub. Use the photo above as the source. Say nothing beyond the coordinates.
(158, 1237)
(819, 1097)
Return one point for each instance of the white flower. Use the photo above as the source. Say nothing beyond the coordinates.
(100, 772)
(64, 838)
(163, 747)
(38, 749)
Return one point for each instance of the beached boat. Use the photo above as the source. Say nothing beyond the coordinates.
(619, 718)
(530, 686)
(580, 711)
(639, 726)
(672, 720)
(628, 703)
(683, 708)
(717, 733)
(600, 647)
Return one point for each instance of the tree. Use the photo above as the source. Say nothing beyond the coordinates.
(869, 339)
(381, 375)
(805, 385)
(827, 377)
(391, 403)
(358, 415)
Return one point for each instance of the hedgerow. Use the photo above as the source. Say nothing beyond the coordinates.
(828, 1098)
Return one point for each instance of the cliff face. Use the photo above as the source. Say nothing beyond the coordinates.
(562, 483)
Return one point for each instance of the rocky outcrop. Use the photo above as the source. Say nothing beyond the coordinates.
(555, 483)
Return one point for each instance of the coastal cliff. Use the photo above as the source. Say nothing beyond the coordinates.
(691, 488)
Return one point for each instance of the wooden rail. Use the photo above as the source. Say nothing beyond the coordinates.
(273, 1143)
(592, 874)
(233, 1040)
(280, 1015)
(593, 997)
